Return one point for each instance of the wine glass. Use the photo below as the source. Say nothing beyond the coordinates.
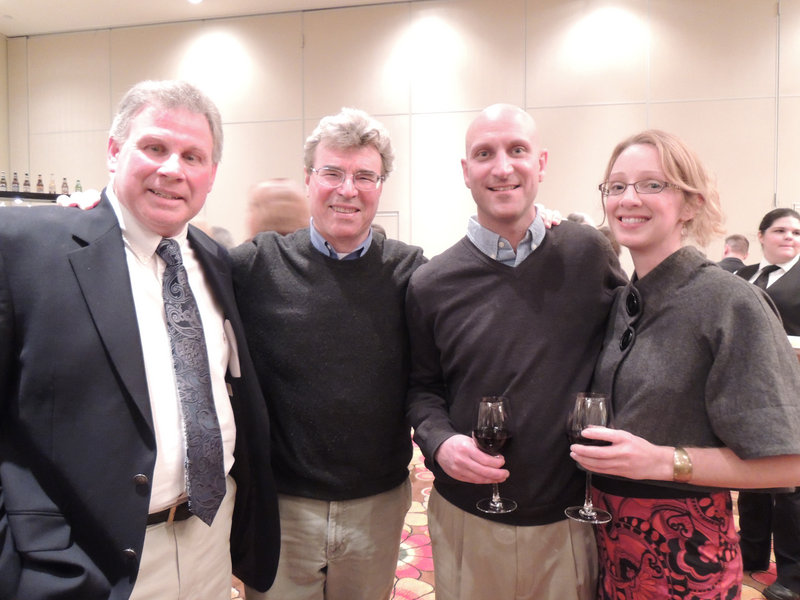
(590, 409)
(491, 432)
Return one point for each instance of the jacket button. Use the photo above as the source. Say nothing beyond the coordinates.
(130, 554)
(627, 338)
(141, 479)
(632, 304)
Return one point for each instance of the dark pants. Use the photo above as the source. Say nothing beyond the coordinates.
(762, 516)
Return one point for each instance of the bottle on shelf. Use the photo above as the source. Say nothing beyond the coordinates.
(15, 183)
(51, 187)
(3, 183)
(64, 186)
(40, 185)
(78, 186)
(26, 184)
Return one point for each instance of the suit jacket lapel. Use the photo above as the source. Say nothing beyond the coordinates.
(748, 271)
(216, 271)
(789, 279)
(101, 269)
(218, 275)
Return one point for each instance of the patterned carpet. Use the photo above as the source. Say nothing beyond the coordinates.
(414, 575)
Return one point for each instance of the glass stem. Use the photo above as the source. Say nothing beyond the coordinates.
(588, 507)
(496, 496)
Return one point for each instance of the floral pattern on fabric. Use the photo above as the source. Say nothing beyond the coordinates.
(665, 549)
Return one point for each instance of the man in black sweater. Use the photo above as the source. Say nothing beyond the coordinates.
(324, 312)
(509, 310)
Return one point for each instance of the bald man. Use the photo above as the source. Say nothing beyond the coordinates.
(515, 310)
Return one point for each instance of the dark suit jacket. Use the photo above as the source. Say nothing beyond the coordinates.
(785, 293)
(77, 448)
(731, 264)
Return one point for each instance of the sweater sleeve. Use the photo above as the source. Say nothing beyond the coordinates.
(243, 259)
(426, 406)
(754, 381)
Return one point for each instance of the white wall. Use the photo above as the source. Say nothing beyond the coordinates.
(716, 72)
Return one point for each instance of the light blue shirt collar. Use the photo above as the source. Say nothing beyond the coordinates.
(499, 248)
(321, 244)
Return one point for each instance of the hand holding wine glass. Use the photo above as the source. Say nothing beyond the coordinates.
(491, 433)
(590, 409)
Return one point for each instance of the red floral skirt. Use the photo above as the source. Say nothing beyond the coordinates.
(664, 549)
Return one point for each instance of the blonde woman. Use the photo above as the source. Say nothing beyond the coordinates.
(691, 404)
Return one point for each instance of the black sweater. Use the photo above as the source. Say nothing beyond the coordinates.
(329, 342)
(531, 333)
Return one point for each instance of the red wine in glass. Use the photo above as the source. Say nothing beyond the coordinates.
(590, 409)
(577, 438)
(491, 439)
(491, 433)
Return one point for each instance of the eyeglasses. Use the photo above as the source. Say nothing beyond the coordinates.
(365, 181)
(646, 186)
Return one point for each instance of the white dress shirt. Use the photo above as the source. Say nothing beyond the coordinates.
(146, 269)
(782, 269)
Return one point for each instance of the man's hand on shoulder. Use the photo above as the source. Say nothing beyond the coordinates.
(83, 200)
(550, 217)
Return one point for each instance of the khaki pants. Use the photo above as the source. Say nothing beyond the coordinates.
(188, 560)
(343, 550)
(478, 559)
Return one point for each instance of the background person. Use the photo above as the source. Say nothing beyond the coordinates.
(324, 312)
(690, 406)
(94, 482)
(735, 252)
(779, 236)
(516, 311)
(276, 205)
(580, 217)
(222, 236)
(774, 519)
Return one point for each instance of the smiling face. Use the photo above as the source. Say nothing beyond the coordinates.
(649, 225)
(163, 171)
(503, 168)
(343, 214)
(780, 242)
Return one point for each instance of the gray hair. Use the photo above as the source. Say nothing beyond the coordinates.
(169, 95)
(351, 128)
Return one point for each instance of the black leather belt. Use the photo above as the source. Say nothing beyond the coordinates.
(175, 513)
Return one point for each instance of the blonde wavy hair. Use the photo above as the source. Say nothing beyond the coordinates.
(684, 170)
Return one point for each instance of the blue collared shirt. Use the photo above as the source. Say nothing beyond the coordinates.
(321, 244)
(499, 248)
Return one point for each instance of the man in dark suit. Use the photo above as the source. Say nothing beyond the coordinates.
(735, 252)
(93, 465)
